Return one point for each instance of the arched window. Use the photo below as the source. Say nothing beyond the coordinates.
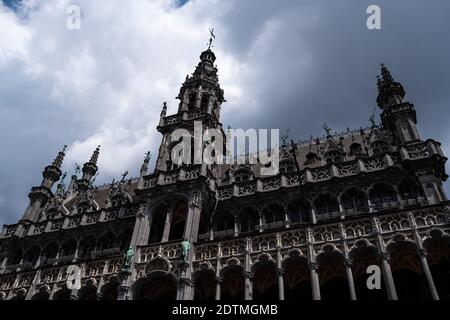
(68, 249)
(298, 212)
(355, 149)
(326, 204)
(192, 101)
(159, 216)
(381, 195)
(249, 219)
(354, 200)
(107, 242)
(408, 190)
(311, 158)
(49, 254)
(87, 247)
(273, 215)
(15, 257)
(205, 101)
(379, 147)
(31, 256)
(123, 242)
(178, 221)
(287, 166)
(224, 222)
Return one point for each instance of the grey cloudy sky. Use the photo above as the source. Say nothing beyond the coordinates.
(283, 64)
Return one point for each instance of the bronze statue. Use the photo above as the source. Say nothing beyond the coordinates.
(128, 258)
(185, 248)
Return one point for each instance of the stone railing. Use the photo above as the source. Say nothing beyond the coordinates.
(184, 173)
(169, 250)
(327, 172)
(52, 275)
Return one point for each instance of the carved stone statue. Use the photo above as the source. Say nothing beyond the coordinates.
(185, 248)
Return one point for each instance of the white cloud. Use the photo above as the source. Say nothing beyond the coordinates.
(281, 63)
(112, 75)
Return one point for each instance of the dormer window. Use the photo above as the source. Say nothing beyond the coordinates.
(286, 166)
(311, 158)
(333, 157)
(355, 149)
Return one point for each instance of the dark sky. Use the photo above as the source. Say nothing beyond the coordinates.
(283, 64)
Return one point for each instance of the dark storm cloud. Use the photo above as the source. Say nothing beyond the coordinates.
(296, 64)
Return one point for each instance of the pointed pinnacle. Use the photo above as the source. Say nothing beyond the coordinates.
(59, 158)
(95, 155)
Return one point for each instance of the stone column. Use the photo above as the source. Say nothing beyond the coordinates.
(351, 283)
(185, 284)
(286, 218)
(193, 217)
(315, 285)
(124, 287)
(166, 232)
(141, 227)
(77, 251)
(280, 270)
(313, 215)
(426, 270)
(260, 222)
(387, 275)
(219, 281)
(248, 275)
(248, 289)
(236, 226)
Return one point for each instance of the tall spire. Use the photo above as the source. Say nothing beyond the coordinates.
(59, 158)
(94, 157)
(389, 92)
(397, 116)
(89, 170)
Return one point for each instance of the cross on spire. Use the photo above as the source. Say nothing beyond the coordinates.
(327, 129)
(211, 39)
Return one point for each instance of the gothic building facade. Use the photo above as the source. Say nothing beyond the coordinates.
(339, 204)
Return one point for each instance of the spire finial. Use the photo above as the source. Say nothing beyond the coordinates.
(284, 138)
(95, 155)
(327, 129)
(389, 91)
(386, 74)
(164, 109)
(59, 158)
(211, 39)
(124, 175)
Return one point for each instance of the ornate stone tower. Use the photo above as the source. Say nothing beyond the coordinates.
(399, 117)
(39, 195)
(200, 100)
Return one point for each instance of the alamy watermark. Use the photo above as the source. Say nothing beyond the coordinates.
(207, 147)
(374, 20)
(73, 21)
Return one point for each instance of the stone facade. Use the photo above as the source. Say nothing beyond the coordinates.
(339, 204)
